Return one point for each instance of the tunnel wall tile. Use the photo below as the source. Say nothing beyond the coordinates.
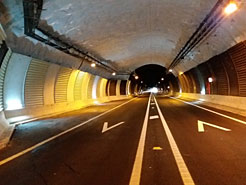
(70, 86)
(103, 85)
(95, 87)
(84, 88)
(78, 86)
(123, 86)
(90, 87)
(238, 56)
(61, 86)
(3, 51)
(232, 74)
(132, 87)
(15, 81)
(228, 71)
(107, 88)
(221, 81)
(98, 88)
(118, 87)
(112, 87)
(2, 76)
(34, 83)
(49, 86)
(128, 87)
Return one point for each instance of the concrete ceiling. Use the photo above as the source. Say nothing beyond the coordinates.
(132, 33)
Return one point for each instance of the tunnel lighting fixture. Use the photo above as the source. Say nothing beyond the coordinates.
(168, 87)
(113, 73)
(93, 65)
(207, 26)
(210, 79)
(141, 82)
(136, 77)
(170, 70)
(14, 104)
(230, 8)
(159, 82)
(162, 79)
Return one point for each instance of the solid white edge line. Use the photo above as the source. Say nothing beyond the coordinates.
(183, 170)
(60, 134)
(220, 114)
(137, 167)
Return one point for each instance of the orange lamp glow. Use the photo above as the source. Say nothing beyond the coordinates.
(230, 8)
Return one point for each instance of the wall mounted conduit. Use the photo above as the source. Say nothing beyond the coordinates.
(206, 27)
(32, 13)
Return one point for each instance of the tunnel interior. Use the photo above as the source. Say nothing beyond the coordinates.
(148, 75)
(71, 62)
(107, 91)
(152, 76)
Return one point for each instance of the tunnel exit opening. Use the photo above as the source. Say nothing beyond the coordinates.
(151, 77)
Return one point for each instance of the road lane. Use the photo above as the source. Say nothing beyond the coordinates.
(32, 133)
(84, 156)
(88, 156)
(214, 156)
(159, 166)
(137, 166)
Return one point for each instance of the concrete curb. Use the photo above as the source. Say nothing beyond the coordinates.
(6, 135)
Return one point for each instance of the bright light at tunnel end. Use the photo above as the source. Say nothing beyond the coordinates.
(154, 90)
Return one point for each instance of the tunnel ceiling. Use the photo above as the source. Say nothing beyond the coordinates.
(132, 33)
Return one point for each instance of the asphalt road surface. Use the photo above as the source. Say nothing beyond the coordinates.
(149, 140)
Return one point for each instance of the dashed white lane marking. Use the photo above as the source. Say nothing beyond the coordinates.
(220, 114)
(58, 135)
(154, 117)
(152, 107)
(137, 167)
(183, 170)
(152, 103)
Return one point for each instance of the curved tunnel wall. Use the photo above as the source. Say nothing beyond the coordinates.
(228, 71)
(33, 88)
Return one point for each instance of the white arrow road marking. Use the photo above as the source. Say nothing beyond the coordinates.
(154, 117)
(60, 134)
(106, 128)
(202, 123)
(220, 114)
